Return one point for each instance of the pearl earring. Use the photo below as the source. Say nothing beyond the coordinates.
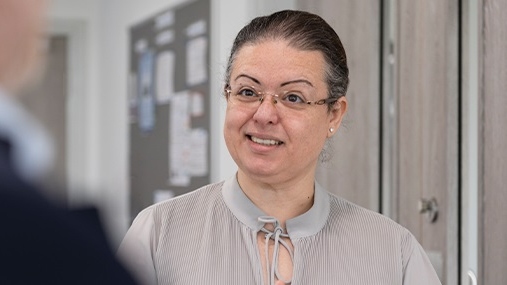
(331, 129)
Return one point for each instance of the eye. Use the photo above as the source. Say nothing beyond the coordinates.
(246, 92)
(294, 98)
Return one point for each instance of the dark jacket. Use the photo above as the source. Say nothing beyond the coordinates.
(44, 243)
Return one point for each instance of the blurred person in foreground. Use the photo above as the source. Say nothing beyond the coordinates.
(271, 222)
(40, 242)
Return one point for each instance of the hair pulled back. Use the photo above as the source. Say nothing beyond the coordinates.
(304, 31)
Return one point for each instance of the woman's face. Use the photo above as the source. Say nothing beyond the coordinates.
(270, 142)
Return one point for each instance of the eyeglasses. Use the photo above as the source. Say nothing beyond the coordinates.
(292, 99)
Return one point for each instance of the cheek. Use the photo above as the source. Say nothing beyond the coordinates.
(310, 136)
(234, 119)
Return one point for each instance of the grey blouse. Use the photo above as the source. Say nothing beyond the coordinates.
(209, 236)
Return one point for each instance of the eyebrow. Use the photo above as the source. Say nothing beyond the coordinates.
(281, 85)
(247, 76)
(297, 81)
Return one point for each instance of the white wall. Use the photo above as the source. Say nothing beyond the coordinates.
(98, 122)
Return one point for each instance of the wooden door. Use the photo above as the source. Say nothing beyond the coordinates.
(400, 141)
(353, 170)
(426, 58)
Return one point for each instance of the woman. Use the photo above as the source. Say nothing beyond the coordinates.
(271, 223)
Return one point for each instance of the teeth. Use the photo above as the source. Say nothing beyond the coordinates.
(265, 142)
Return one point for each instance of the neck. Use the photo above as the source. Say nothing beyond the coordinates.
(283, 201)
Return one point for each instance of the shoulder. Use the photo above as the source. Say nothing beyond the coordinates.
(185, 204)
(159, 226)
(179, 210)
(23, 201)
(43, 235)
(203, 193)
(347, 215)
(380, 238)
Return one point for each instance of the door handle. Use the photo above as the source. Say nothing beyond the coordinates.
(471, 277)
(429, 207)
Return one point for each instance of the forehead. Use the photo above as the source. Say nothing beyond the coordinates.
(275, 60)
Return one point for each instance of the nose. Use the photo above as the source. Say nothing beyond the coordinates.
(267, 113)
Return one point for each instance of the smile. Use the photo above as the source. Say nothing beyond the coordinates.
(265, 142)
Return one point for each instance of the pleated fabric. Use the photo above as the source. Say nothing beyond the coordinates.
(209, 237)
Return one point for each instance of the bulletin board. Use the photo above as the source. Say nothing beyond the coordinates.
(169, 99)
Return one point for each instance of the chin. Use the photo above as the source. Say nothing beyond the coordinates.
(258, 171)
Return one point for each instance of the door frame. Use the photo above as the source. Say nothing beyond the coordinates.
(78, 131)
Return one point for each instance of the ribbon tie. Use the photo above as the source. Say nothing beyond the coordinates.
(276, 236)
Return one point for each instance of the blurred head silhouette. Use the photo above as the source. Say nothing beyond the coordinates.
(22, 54)
(22, 26)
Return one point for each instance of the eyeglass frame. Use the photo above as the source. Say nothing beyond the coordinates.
(328, 101)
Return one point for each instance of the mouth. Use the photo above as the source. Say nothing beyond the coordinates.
(268, 142)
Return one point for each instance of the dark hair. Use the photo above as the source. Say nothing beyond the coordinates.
(305, 31)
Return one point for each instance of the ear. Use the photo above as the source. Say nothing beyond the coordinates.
(227, 91)
(336, 115)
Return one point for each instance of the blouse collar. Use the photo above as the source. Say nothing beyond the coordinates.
(304, 225)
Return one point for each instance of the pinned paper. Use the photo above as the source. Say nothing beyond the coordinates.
(197, 164)
(196, 61)
(197, 104)
(179, 135)
(164, 20)
(161, 195)
(196, 29)
(165, 76)
(146, 98)
(132, 86)
(165, 38)
(141, 45)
